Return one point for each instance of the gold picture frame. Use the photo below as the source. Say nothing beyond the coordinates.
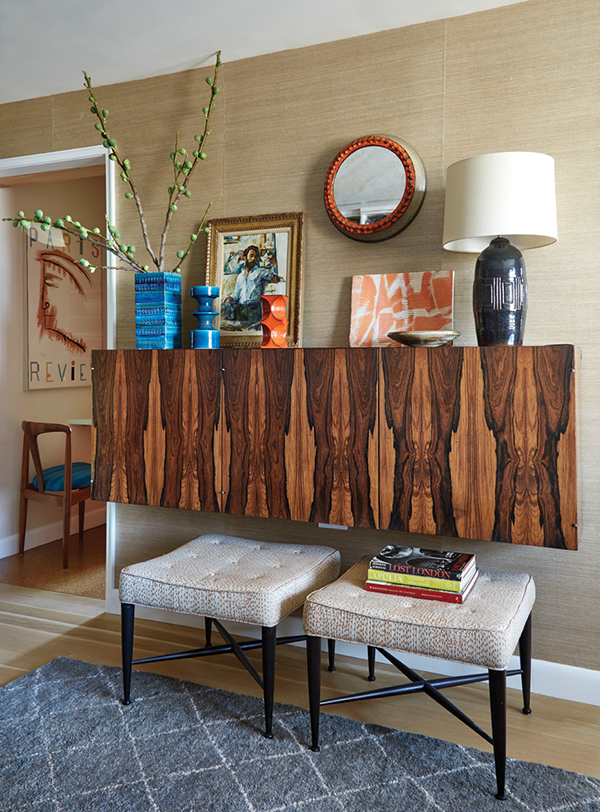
(269, 250)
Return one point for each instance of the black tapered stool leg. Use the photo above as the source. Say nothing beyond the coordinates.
(525, 657)
(269, 634)
(207, 632)
(331, 653)
(127, 622)
(313, 659)
(498, 710)
(371, 661)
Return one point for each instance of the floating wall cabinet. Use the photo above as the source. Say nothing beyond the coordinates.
(468, 442)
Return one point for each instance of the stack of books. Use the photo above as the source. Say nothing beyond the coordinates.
(434, 575)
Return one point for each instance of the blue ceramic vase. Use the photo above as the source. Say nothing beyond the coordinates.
(205, 337)
(157, 311)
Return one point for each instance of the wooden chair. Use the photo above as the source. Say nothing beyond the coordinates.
(61, 485)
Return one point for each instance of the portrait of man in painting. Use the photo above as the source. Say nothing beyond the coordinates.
(253, 264)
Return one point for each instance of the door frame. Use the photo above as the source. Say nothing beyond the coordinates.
(82, 157)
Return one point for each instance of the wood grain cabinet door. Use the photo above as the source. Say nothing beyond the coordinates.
(300, 435)
(338, 436)
(156, 428)
(479, 443)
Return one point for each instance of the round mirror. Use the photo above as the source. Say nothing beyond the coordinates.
(374, 188)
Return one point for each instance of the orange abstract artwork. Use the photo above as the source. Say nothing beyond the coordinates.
(382, 303)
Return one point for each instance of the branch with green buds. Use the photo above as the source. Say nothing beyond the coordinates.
(183, 169)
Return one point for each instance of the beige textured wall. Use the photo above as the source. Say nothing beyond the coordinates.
(525, 77)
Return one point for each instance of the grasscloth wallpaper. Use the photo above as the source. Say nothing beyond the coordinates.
(525, 77)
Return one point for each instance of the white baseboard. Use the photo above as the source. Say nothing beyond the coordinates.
(50, 532)
(547, 679)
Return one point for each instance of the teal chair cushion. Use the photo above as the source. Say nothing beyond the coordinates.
(54, 478)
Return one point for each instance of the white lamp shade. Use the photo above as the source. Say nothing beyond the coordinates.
(502, 194)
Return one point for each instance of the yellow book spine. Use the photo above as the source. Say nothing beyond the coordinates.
(417, 580)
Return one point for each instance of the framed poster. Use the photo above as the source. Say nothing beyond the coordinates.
(64, 309)
(251, 256)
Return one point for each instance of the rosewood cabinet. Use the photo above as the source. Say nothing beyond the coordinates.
(468, 442)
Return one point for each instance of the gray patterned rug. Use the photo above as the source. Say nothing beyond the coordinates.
(68, 745)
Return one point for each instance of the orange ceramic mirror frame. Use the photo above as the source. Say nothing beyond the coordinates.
(374, 188)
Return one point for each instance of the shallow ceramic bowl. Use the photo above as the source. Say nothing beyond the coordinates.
(424, 338)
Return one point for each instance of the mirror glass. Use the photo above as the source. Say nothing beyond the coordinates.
(374, 188)
(369, 185)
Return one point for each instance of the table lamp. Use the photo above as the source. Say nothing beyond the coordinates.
(497, 204)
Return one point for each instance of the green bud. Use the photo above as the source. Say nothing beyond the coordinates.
(213, 105)
(59, 223)
(196, 153)
(185, 171)
(83, 232)
(112, 142)
(47, 220)
(105, 144)
(187, 193)
(83, 262)
(181, 254)
(39, 213)
(178, 165)
(15, 224)
(93, 110)
(173, 207)
(198, 138)
(145, 267)
(216, 90)
(20, 214)
(172, 156)
(202, 156)
(193, 237)
(188, 164)
(98, 126)
(123, 176)
(68, 218)
(206, 229)
(25, 224)
(116, 234)
(183, 151)
(112, 229)
(170, 191)
(90, 98)
(92, 268)
(127, 164)
(205, 110)
(128, 195)
(132, 249)
(181, 188)
(96, 230)
(112, 157)
(44, 226)
(76, 223)
(105, 113)
(209, 81)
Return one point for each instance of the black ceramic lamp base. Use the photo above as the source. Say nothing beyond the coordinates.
(500, 295)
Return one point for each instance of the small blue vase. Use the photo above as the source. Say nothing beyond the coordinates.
(158, 310)
(205, 337)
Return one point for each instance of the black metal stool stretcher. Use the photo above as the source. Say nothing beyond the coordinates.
(483, 631)
(223, 578)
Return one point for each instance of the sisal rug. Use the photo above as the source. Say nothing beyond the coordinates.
(68, 745)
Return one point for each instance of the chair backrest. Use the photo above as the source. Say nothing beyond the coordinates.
(31, 432)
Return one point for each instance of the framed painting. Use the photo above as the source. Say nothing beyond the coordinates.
(248, 257)
(64, 310)
(384, 303)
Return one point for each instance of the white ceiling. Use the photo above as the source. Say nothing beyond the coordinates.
(45, 44)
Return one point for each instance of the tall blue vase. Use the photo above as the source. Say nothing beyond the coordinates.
(158, 311)
(205, 337)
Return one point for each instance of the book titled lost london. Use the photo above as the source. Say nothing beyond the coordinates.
(451, 566)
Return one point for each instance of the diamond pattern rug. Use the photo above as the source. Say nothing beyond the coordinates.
(68, 745)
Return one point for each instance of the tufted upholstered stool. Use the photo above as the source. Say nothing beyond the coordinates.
(483, 632)
(226, 578)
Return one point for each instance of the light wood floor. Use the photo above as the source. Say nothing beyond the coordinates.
(38, 626)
